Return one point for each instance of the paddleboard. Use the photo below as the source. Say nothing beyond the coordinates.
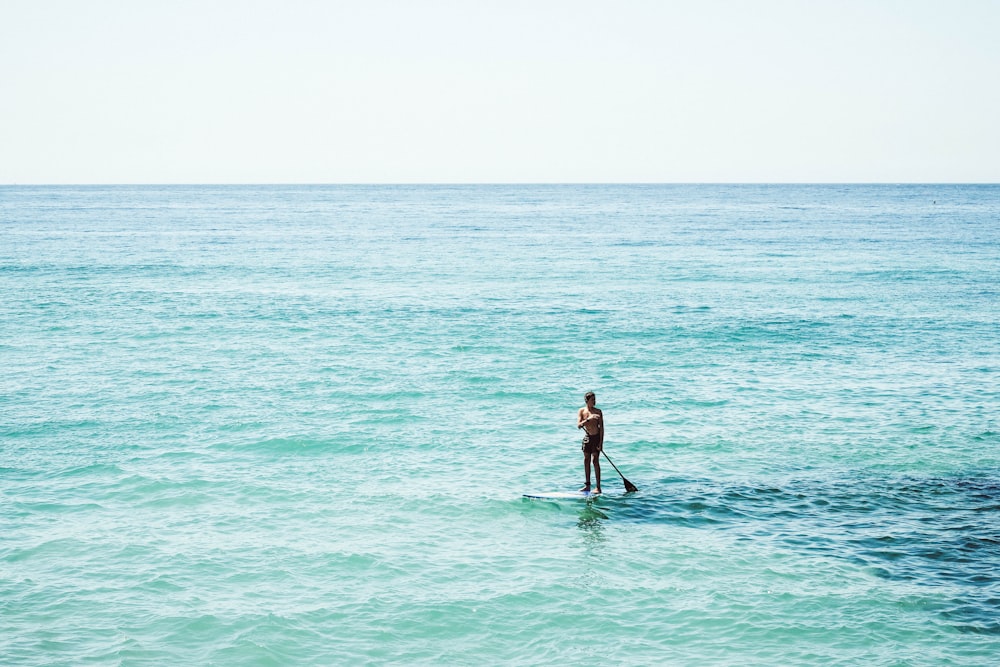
(562, 495)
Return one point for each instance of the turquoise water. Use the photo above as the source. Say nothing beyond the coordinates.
(292, 425)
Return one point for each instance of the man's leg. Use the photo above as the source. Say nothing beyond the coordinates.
(586, 469)
(597, 468)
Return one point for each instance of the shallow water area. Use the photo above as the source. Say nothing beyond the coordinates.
(293, 425)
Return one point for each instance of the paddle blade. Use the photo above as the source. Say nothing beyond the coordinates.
(629, 486)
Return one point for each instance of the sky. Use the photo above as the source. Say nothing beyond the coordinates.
(505, 91)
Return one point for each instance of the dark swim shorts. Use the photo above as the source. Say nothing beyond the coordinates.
(590, 445)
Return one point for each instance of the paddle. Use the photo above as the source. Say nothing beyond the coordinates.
(629, 486)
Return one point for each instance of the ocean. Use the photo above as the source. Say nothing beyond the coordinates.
(292, 425)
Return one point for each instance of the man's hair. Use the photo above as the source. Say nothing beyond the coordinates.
(589, 395)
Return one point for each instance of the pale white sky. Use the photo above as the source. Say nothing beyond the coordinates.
(373, 91)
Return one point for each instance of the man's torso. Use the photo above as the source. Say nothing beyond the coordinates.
(592, 427)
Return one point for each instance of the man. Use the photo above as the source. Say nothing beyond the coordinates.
(591, 420)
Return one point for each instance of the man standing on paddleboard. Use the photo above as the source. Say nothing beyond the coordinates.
(591, 420)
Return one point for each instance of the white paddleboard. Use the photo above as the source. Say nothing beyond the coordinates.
(563, 495)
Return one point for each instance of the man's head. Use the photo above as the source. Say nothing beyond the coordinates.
(590, 398)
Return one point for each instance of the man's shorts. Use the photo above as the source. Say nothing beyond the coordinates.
(590, 445)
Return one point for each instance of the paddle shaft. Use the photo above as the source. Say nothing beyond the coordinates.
(629, 486)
